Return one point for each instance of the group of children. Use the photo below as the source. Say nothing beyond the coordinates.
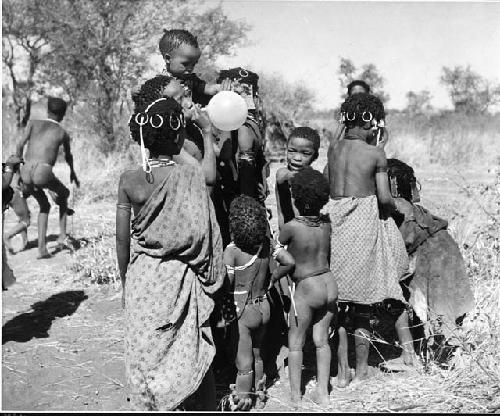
(204, 275)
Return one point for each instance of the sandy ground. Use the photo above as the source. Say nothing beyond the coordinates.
(63, 337)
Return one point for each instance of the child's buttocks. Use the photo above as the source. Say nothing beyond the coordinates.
(318, 290)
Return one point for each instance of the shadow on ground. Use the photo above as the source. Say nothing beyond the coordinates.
(36, 324)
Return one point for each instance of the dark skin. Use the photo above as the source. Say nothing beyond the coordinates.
(352, 170)
(300, 154)
(134, 189)
(43, 139)
(315, 302)
(181, 61)
(253, 321)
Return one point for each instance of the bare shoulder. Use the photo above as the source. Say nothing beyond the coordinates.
(127, 177)
(282, 174)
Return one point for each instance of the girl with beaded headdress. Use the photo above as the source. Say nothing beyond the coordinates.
(176, 262)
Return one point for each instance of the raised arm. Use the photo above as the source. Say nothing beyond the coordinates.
(123, 215)
(69, 159)
(26, 136)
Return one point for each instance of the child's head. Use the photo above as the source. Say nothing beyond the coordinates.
(180, 51)
(162, 119)
(310, 191)
(163, 86)
(363, 112)
(302, 148)
(402, 180)
(247, 84)
(358, 86)
(247, 223)
(56, 107)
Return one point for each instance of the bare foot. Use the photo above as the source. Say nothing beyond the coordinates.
(295, 402)
(321, 399)
(344, 376)
(44, 255)
(361, 374)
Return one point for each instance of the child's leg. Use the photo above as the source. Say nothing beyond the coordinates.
(244, 363)
(405, 338)
(323, 319)
(344, 372)
(257, 339)
(60, 194)
(296, 340)
(43, 219)
(21, 210)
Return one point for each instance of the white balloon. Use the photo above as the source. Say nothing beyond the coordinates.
(227, 110)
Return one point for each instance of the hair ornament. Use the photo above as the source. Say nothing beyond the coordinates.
(353, 116)
(175, 122)
(141, 119)
(157, 126)
(243, 73)
(364, 118)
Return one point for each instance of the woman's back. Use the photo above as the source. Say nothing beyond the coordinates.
(139, 188)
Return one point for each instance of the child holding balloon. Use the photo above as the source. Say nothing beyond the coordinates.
(181, 52)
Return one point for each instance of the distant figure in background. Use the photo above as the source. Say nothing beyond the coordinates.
(43, 139)
(9, 168)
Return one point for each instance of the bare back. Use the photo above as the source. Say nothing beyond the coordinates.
(352, 168)
(45, 138)
(254, 278)
(309, 246)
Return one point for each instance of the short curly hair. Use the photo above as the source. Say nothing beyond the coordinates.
(358, 83)
(166, 110)
(309, 134)
(247, 223)
(355, 105)
(56, 106)
(174, 38)
(310, 190)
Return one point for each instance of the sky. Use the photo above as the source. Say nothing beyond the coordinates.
(408, 42)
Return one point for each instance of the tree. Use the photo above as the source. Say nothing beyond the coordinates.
(469, 92)
(368, 73)
(25, 34)
(418, 102)
(98, 50)
(283, 99)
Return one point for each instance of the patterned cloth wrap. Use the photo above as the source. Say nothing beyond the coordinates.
(175, 269)
(368, 255)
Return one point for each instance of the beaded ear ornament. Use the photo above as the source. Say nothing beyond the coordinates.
(156, 121)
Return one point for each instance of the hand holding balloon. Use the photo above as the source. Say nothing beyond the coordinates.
(227, 110)
(201, 118)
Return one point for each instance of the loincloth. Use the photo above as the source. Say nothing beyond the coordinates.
(363, 251)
